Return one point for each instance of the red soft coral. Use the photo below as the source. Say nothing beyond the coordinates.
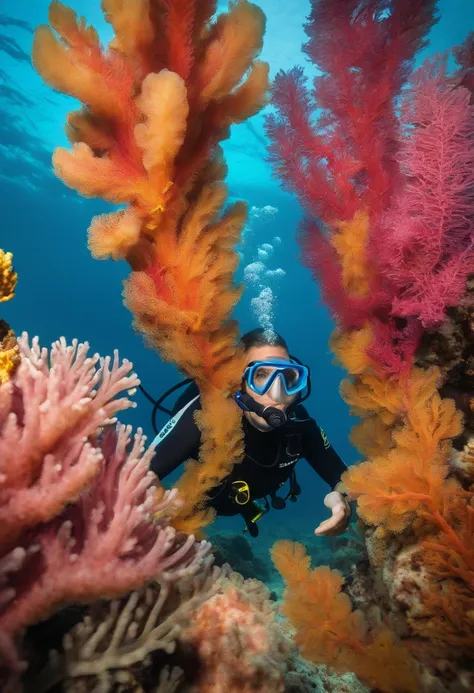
(345, 164)
(365, 51)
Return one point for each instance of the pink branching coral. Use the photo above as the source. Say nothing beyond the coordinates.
(47, 414)
(424, 245)
(385, 172)
(464, 55)
(77, 501)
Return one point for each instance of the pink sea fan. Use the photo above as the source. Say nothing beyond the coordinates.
(425, 244)
(464, 55)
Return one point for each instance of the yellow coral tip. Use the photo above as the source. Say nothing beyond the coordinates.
(158, 208)
(8, 277)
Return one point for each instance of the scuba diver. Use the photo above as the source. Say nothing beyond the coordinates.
(278, 432)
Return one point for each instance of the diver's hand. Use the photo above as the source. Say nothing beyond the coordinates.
(341, 513)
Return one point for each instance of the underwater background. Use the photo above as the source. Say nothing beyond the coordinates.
(63, 291)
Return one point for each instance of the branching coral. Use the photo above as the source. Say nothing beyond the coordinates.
(76, 499)
(391, 489)
(114, 638)
(158, 101)
(362, 159)
(9, 352)
(211, 631)
(8, 276)
(424, 244)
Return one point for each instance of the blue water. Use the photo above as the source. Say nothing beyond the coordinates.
(63, 291)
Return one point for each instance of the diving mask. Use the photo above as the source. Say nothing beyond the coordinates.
(278, 378)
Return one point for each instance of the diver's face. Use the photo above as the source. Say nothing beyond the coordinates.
(265, 353)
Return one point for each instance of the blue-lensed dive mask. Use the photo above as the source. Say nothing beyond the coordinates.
(278, 378)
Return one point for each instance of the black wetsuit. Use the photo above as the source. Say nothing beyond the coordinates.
(269, 462)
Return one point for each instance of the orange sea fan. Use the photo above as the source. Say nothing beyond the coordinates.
(372, 437)
(132, 25)
(329, 632)
(77, 66)
(164, 106)
(248, 99)
(113, 235)
(184, 309)
(392, 488)
(373, 394)
(350, 348)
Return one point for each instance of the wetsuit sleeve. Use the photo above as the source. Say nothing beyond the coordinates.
(321, 455)
(177, 441)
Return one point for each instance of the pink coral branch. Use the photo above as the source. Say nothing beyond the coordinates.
(104, 545)
(301, 158)
(425, 244)
(464, 56)
(58, 401)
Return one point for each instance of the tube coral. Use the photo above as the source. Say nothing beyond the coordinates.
(158, 101)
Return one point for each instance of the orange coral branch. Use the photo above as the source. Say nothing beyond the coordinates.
(158, 101)
(330, 632)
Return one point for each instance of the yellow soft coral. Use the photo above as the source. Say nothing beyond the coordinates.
(8, 276)
(9, 350)
(350, 240)
(330, 632)
(158, 103)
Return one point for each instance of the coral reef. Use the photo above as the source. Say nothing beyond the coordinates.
(211, 631)
(127, 642)
(158, 100)
(389, 233)
(305, 677)
(77, 499)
